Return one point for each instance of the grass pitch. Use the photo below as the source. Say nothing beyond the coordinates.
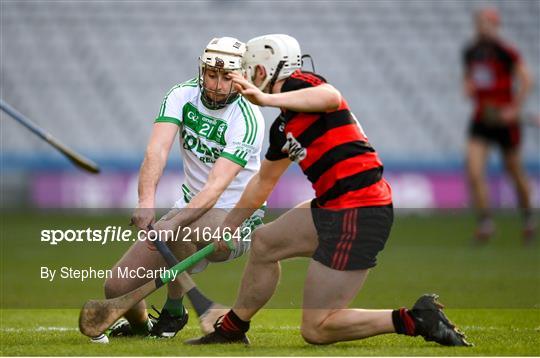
(274, 332)
(492, 293)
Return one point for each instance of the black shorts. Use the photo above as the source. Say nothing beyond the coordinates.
(350, 239)
(507, 137)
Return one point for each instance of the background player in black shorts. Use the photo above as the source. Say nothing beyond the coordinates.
(491, 68)
(342, 229)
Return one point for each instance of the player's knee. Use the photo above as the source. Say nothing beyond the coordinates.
(317, 327)
(260, 248)
(183, 249)
(314, 334)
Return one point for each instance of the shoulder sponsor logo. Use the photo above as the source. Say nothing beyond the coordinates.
(244, 146)
(281, 121)
(294, 149)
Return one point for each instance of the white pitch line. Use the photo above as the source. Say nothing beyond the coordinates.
(283, 328)
(39, 329)
(494, 328)
(72, 329)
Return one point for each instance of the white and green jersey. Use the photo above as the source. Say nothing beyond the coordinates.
(234, 132)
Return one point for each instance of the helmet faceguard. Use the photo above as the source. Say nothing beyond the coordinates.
(209, 95)
(279, 54)
(222, 55)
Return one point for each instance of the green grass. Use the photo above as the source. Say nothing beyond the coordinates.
(491, 292)
(274, 333)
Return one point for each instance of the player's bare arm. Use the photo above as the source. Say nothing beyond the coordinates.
(222, 174)
(154, 162)
(525, 82)
(257, 191)
(323, 98)
(512, 111)
(468, 86)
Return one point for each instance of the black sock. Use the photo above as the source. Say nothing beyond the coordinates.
(200, 302)
(403, 322)
(231, 323)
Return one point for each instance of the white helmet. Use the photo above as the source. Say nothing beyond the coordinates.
(279, 54)
(221, 54)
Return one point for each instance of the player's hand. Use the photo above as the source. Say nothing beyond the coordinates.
(160, 231)
(143, 216)
(249, 91)
(226, 234)
(166, 229)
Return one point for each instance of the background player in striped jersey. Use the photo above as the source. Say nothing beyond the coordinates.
(220, 141)
(491, 67)
(342, 229)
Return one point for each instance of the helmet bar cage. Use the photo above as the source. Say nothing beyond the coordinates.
(311, 60)
(206, 99)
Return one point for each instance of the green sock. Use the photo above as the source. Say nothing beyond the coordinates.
(143, 328)
(174, 306)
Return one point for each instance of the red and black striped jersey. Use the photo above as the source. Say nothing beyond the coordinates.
(490, 65)
(332, 150)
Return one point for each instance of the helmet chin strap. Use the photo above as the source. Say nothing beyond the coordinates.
(271, 81)
(276, 74)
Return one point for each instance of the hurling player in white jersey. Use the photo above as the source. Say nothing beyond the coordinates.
(220, 136)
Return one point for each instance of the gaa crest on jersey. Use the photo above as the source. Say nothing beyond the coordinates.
(294, 149)
(220, 132)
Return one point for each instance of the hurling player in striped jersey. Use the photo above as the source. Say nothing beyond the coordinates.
(342, 229)
(498, 81)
